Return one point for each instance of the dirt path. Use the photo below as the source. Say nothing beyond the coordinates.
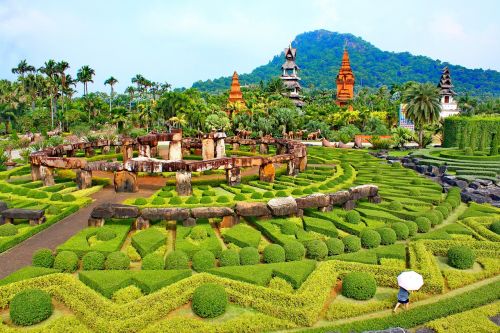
(20, 255)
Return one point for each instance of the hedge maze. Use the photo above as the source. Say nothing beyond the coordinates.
(320, 270)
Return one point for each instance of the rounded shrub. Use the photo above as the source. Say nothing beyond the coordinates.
(93, 261)
(177, 260)
(353, 217)
(127, 294)
(370, 238)
(351, 243)
(416, 181)
(240, 197)
(203, 260)
(388, 236)
(274, 253)
(205, 200)
(105, 234)
(198, 232)
(30, 306)
(53, 210)
(288, 227)
(268, 194)
(56, 197)
(297, 191)
(412, 227)
(66, 261)
(117, 261)
(461, 257)
(423, 224)
(294, 250)
(223, 199)
(495, 227)
(402, 231)
(280, 284)
(316, 249)
(153, 261)
(359, 286)
(281, 193)
(256, 195)
(193, 200)
(443, 210)
(414, 192)
(165, 194)
(433, 217)
(140, 201)
(249, 256)
(209, 300)
(43, 258)
(335, 246)
(395, 206)
(8, 230)
(68, 198)
(177, 200)
(158, 201)
(229, 257)
(308, 191)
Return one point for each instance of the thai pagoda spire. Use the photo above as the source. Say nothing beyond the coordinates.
(235, 95)
(345, 81)
(290, 77)
(445, 83)
(448, 104)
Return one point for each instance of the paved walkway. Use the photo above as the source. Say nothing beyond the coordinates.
(20, 255)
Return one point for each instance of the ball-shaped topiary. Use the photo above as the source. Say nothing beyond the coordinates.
(395, 206)
(281, 193)
(335, 246)
(43, 258)
(198, 233)
(93, 260)
(53, 210)
(66, 261)
(256, 195)
(297, 191)
(268, 194)
(105, 234)
(140, 201)
(223, 199)
(177, 200)
(203, 260)
(495, 227)
(153, 261)
(423, 224)
(229, 257)
(8, 230)
(316, 249)
(117, 261)
(352, 243)
(461, 257)
(30, 306)
(288, 227)
(56, 197)
(274, 253)
(127, 294)
(412, 227)
(294, 250)
(388, 236)
(249, 256)
(359, 286)
(209, 300)
(370, 239)
(434, 216)
(165, 194)
(443, 210)
(158, 201)
(353, 217)
(68, 198)
(193, 200)
(240, 197)
(402, 231)
(177, 260)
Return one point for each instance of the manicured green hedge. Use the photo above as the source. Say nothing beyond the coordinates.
(209, 300)
(147, 241)
(177, 260)
(242, 235)
(30, 307)
(359, 285)
(27, 272)
(320, 225)
(470, 131)
(184, 242)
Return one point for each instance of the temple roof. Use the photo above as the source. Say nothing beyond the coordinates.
(289, 64)
(445, 83)
(345, 67)
(235, 94)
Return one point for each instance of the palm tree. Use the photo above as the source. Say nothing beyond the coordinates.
(130, 91)
(50, 69)
(61, 68)
(23, 68)
(422, 106)
(84, 75)
(111, 81)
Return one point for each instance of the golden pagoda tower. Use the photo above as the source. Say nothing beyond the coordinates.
(235, 101)
(345, 81)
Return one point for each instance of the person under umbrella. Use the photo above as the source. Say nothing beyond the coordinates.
(407, 281)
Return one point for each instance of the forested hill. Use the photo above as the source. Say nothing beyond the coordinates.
(319, 55)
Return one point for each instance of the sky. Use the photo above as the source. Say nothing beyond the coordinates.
(183, 41)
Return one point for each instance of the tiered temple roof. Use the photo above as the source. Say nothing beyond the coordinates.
(345, 81)
(235, 94)
(290, 77)
(445, 83)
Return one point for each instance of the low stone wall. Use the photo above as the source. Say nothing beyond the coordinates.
(277, 207)
(8, 215)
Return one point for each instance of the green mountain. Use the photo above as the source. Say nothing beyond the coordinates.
(319, 54)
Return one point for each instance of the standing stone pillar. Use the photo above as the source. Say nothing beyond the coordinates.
(89, 152)
(83, 179)
(175, 151)
(280, 149)
(144, 150)
(292, 167)
(154, 151)
(118, 149)
(253, 149)
(303, 163)
(236, 146)
(47, 175)
(35, 172)
(128, 152)
(263, 149)
(207, 148)
(233, 176)
(106, 149)
(267, 172)
(220, 144)
(125, 181)
(183, 183)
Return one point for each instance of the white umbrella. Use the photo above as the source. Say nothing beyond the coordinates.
(410, 280)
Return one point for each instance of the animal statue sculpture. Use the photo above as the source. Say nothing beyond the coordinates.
(314, 135)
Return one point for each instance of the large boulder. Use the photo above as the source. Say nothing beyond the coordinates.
(283, 206)
(210, 212)
(125, 211)
(362, 191)
(168, 214)
(252, 209)
(19, 213)
(339, 198)
(104, 211)
(316, 200)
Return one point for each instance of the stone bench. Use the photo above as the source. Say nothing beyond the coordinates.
(35, 217)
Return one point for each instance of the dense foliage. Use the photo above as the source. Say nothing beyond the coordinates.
(209, 300)
(461, 257)
(43, 258)
(359, 285)
(30, 306)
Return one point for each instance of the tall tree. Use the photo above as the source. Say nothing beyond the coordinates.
(85, 75)
(61, 68)
(50, 69)
(422, 106)
(111, 81)
(23, 68)
(130, 91)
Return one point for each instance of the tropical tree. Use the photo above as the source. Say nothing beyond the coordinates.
(422, 106)
(51, 85)
(111, 81)
(23, 68)
(84, 75)
(131, 92)
(401, 136)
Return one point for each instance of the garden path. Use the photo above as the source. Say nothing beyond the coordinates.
(20, 255)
